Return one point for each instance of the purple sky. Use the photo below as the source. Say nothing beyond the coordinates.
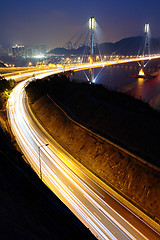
(54, 22)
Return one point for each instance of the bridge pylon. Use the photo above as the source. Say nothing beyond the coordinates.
(146, 49)
(141, 69)
(92, 24)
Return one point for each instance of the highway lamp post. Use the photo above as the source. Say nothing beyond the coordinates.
(40, 164)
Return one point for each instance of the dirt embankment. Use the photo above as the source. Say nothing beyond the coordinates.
(130, 177)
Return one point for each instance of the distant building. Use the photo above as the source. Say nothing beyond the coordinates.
(42, 49)
(69, 45)
(32, 52)
(29, 52)
(75, 45)
(10, 52)
(38, 51)
(17, 51)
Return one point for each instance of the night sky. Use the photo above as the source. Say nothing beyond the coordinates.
(54, 22)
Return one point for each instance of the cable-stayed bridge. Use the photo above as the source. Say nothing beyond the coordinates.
(90, 59)
(16, 71)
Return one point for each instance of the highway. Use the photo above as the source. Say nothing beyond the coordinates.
(83, 193)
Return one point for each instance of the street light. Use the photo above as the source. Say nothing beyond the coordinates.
(40, 168)
(97, 57)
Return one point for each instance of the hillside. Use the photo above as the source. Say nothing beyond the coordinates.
(129, 122)
(107, 113)
(126, 46)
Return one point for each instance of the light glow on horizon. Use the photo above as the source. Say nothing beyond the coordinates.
(39, 56)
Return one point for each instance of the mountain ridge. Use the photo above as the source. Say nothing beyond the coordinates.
(125, 46)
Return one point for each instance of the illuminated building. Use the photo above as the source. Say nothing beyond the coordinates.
(18, 51)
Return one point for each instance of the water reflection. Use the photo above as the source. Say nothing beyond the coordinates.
(140, 81)
(117, 77)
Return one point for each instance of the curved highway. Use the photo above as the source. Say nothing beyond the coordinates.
(80, 190)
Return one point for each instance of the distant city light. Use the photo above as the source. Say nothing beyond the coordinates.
(17, 51)
(39, 56)
(17, 46)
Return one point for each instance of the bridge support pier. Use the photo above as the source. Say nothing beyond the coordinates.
(141, 72)
(91, 75)
(146, 49)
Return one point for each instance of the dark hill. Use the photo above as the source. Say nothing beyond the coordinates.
(126, 46)
(106, 48)
(58, 51)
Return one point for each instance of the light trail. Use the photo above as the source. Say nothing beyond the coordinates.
(18, 72)
(79, 190)
(80, 67)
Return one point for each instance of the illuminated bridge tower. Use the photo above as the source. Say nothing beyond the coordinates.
(146, 49)
(92, 24)
(147, 39)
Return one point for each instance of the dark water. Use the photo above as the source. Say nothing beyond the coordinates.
(117, 78)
